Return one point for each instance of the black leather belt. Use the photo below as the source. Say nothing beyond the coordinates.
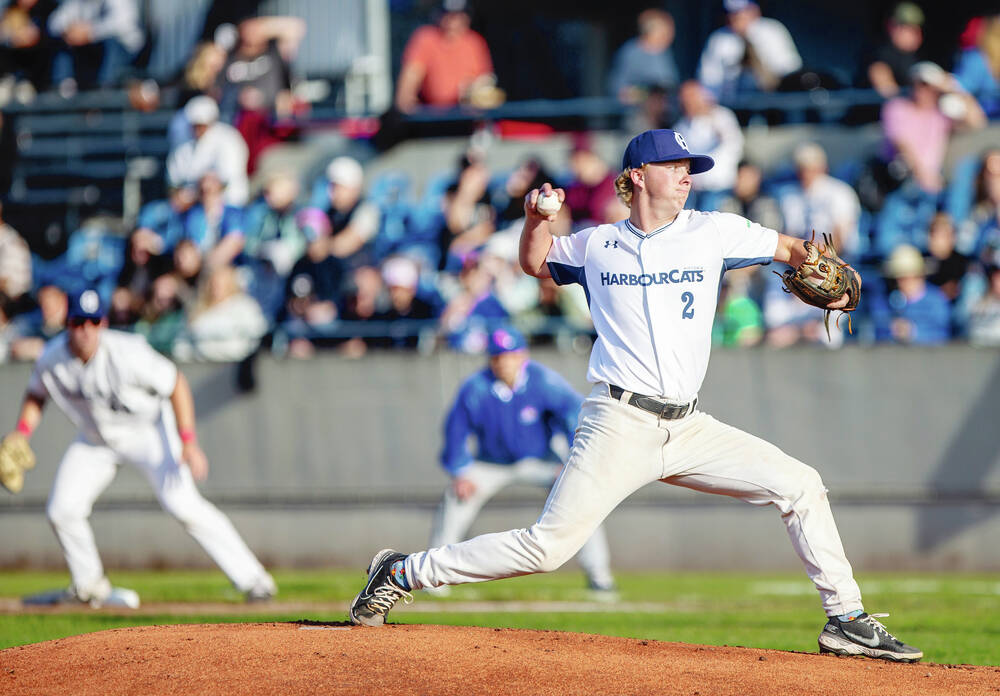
(663, 409)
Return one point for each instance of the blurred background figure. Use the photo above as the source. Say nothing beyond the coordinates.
(820, 203)
(646, 60)
(364, 299)
(256, 75)
(474, 310)
(214, 226)
(983, 224)
(918, 128)
(445, 63)
(161, 226)
(273, 240)
(946, 266)
(984, 320)
(590, 193)
(15, 269)
(25, 49)
(216, 147)
(354, 220)
(225, 324)
(890, 64)
(197, 79)
(739, 321)
(751, 53)
(313, 289)
(162, 316)
(255, 83)
(97, 40)
(401, 276)
(913, 311)
(37, 327)
(748, 200)
(713, 130)
(978, 67)
(469, 218)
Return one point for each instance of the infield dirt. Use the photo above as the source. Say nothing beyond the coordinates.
(334, 658)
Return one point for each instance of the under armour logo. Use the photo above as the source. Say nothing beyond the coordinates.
(680, 140)
(609, 244)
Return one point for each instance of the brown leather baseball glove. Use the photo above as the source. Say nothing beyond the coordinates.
(823, 278)
(16, 457)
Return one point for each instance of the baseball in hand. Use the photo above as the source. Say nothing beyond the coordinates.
(548, 205)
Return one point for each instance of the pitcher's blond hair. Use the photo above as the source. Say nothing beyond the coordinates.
(624, 187)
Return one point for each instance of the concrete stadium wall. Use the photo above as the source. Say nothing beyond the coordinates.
(331, 459)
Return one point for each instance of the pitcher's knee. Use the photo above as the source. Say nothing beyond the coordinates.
(61, 516)
(548, 553)
(807, 485)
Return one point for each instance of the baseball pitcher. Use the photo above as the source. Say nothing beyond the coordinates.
(652, 281)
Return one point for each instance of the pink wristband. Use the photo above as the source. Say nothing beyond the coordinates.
(187, 435)
(24, 428)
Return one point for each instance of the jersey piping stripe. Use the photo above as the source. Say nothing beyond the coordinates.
(638, 233)
(649, 319)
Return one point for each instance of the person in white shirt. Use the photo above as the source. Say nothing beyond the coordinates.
(652, 281)
(749, 53)
(821, 202)
(714, 130)
(216, 147)
(818, 203)
(133, 406)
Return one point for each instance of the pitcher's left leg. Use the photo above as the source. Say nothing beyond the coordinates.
(717, 458)
(594, 556)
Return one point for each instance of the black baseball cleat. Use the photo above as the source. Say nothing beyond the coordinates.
(867, 637)
(381, 592)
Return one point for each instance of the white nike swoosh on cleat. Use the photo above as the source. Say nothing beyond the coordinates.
(872, 642)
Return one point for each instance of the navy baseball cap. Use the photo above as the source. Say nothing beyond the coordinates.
(662, 145)
(86, 304)
(505, 340)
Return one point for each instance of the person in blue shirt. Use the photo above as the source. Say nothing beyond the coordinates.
(915, 312)
(978, 68)
(214, 226)
(514, 408)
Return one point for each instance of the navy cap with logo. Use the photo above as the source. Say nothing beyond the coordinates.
(505, 340)
(86, 304)
(662, 145)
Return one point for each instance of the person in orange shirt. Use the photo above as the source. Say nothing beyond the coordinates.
(444, 63)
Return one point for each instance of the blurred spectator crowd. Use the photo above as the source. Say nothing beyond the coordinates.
(354, 260)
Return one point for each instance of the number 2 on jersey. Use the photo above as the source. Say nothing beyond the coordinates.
(688, 299)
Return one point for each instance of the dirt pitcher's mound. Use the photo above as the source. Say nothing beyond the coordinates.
(308, 658)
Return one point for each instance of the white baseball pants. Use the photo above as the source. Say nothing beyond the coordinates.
(86, 470)
(454, 517)
(620, 448)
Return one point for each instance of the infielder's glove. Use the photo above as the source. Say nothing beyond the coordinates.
(823, 278)
(16, 457)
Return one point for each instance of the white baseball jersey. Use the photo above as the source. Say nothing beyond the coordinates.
(122, 389)
(653, 296)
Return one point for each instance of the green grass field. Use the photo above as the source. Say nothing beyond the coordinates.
(952, 618)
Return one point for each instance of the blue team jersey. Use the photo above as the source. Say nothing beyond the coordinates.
(509, 424)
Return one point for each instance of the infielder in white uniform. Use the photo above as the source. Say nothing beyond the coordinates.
(652, 282)
(131, 405)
